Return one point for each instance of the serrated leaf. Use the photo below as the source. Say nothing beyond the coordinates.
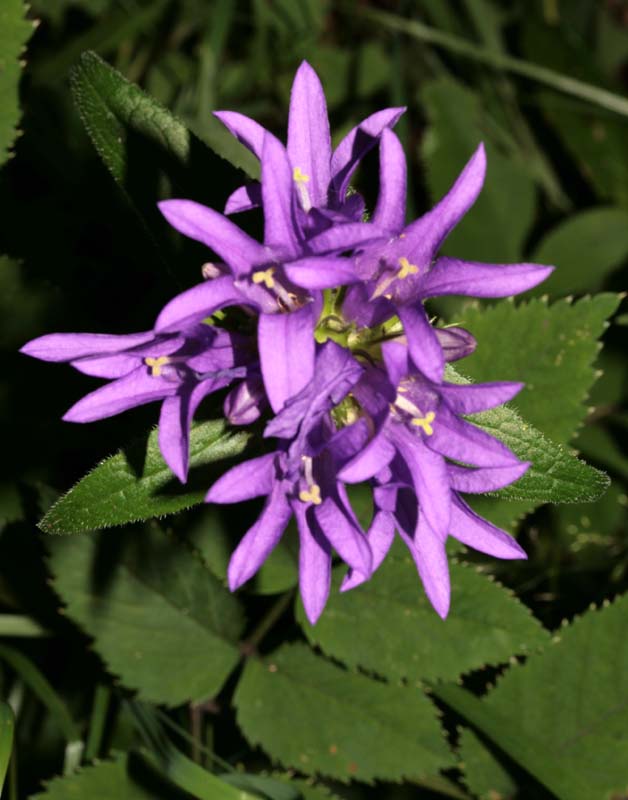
(551, 348)
(108, 780)
(570, 702)
(486, 624)
(458, 124)
(135, 484)
(15, 31)
(482, 772)
(140, 142)
(158, 617)
(555, 476)
(584, 248)
(309, 714)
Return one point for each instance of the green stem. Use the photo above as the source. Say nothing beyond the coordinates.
(548, 77)
(267, 623)
(97, 722)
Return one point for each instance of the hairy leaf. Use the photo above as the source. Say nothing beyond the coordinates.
(136, 484)
(158, 617)
(15, 31)
(313, 716)
(486, 624)
(570, 702)
(458, 124)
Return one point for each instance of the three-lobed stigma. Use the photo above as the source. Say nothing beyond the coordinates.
(265, 276)
(425, 423)
(313, 495)
(156, 364)
(406, 268)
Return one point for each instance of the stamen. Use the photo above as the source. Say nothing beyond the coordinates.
(313, 495)
(265, 276)
(300, 178)
(156, 364)
(425, 422)
(406, 268)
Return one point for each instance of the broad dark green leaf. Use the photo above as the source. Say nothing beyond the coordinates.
(550, 348)
(570, 702)
(15, 31)
(158, 617)
(320, 719)
(584, 248)
(388, 626)
(7, 724)
(496, 227)
(136, 484)
(107, 780)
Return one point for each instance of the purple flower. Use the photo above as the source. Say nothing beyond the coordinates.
(281, 279)
(300, 478)
(419, 433)
(321, 177)
(179, 369)
(399, 274)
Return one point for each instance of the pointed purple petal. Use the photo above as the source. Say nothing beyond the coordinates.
(236, 248)
(470, 399)
(396, 359)
(259, 541)
(345, 237)
(135, 389)
(252, 478)
(309, 140)
(380, 538)
(245, 130)
(245, 403)
(484, 479)
(428, 551)
(277, 194)
(430, 479)
(348, 541)
(174, 425)
(321, 272)
(70, 346)
(432, 229)
(478, 533)
(107, 366)
(245, 198)
(462, 441)
(286, 348)
(356, 145)
(390, 211)
(474, 279)
(314, 564)
(375, 456)
(199, 302)
(456, 342)
(423, 343)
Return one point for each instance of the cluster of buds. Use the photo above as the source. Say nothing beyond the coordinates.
(337, 353)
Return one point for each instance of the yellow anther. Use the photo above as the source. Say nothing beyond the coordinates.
(265, 276)
(425, 423)
(311, 496)
(406, 268)
(300, 177)
(156, 364)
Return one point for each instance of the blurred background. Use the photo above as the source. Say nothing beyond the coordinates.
(542, 82)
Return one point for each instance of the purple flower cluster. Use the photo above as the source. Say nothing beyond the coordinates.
(339, 349)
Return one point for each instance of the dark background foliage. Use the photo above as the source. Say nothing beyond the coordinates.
(80, 254)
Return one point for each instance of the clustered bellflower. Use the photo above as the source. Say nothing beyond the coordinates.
(341, 359)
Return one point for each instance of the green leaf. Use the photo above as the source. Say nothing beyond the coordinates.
(556, 346)
(15, 31)
(482, 772)
(570, 702)
(108, 780)
(7, 724)
(486, 624)
(505, 207)
(141, 142)
(584, 248)
(313, 716)
(136, 484)
(158, 617)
